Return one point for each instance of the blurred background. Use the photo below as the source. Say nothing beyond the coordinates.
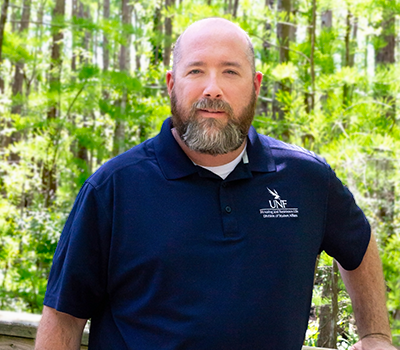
(83, 80)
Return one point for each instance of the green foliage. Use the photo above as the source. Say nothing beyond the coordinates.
(14, 48)
(26, 255)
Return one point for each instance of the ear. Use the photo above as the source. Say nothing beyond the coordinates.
(257, 82)
(170, 81)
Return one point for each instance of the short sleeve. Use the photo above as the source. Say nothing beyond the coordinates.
(78, 279)
(347, 232)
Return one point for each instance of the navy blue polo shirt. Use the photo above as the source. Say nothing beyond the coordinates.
(162, 254)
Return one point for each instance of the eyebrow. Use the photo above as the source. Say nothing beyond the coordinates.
(222, 64)
(231, 64)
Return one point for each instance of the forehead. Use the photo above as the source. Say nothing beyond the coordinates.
(214, 42)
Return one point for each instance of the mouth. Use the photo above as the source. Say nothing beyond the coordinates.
(211, 111)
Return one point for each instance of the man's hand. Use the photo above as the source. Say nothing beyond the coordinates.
(373, 343)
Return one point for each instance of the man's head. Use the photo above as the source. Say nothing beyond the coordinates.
(213, 86)
(177, 54)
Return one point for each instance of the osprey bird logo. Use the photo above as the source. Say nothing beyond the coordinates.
(274, 193)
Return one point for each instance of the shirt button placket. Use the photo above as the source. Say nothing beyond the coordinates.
(228, 216)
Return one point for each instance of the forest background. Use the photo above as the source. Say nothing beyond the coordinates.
(83, 80)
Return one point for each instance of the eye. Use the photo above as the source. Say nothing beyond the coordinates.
(195, 71)
(232, 72)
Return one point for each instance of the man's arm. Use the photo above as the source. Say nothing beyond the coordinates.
(366, 288)
(58, 330)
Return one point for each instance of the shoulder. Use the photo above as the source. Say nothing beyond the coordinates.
(285, 153)
(134, 160)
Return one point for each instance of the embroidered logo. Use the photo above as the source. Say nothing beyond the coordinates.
(278, 207)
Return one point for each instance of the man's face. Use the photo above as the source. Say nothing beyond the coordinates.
(213, 91)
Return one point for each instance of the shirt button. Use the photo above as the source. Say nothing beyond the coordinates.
(228, 209)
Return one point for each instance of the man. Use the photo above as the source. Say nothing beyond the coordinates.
(206, 236)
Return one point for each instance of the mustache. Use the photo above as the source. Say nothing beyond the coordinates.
(213, 104)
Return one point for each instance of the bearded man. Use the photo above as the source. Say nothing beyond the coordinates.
(206, 237)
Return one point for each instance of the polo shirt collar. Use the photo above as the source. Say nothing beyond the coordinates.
(175, 164)
(259, 153)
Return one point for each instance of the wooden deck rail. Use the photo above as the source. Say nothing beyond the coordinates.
(18, 331)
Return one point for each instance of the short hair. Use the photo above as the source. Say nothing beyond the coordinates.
(177, 55)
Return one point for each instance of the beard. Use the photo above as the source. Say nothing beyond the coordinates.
(211, 135)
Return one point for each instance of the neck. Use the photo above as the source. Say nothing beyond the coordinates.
(207, 159)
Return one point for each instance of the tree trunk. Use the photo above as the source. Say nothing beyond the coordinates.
(124, 66)
(269, 3)
(228, 6)
(235, 8)
(353, 43)
(156, 38)
(19, 67)
(347, 40)
(168, 34)
(49, 169)
(13, 18)
(75, 15)
(39, 34)
(80, 152)
(16, 107)
(312, 62)
(283, 36)
(124, 57)
(293, 28)
(119, 132)
(265, 102)
(327, 331)
(385, 55)
(85, 13)
(3, 19)
(268, 31)
(83, 154)
(106, 51)
(137, 50)
(283, 30)
(56, 60)
(326, 19)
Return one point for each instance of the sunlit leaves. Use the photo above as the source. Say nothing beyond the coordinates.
(14, 48)
(88, 72)
(122, 80)
(285, 71)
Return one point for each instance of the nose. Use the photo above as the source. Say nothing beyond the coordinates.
(212, 89)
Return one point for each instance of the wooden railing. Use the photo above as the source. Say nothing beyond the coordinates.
(18, 331)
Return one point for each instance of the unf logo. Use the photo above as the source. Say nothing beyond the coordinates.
(278, 208)
(277, 202)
